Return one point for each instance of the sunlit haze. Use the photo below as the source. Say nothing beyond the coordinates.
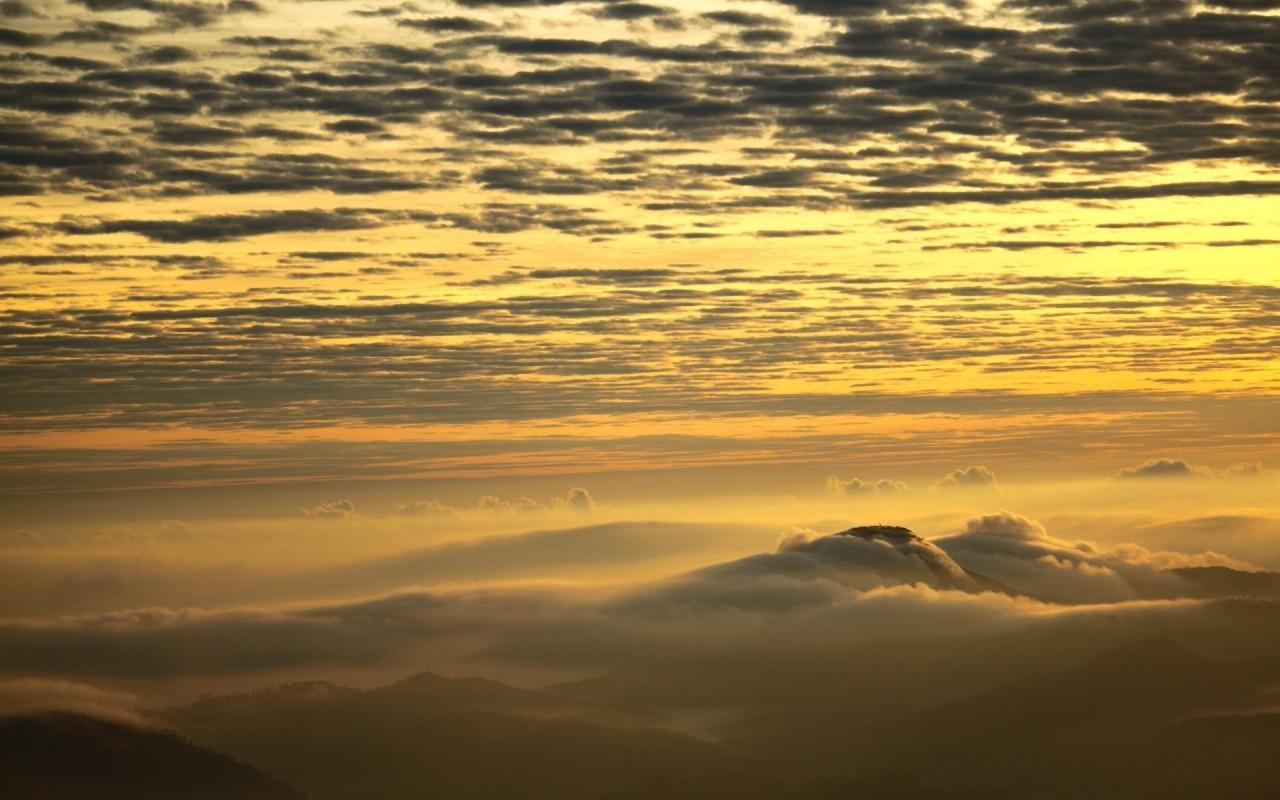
(603, 399)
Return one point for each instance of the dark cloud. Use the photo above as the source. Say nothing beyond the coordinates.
(445, 24)
(1176, 468)
(266, 41)
(629, 11)
(226, 227)
(967, 105)
(856, 8)
(16, 38)
(360, 126)
(796, 233)
(13, 9)
(173, 14)
(164, 54)
(764, 36)
(1161, 468)
(516, 217)
(740, 19)
(1084, 192)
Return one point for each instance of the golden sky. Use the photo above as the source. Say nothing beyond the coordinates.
(621, 342)
(268, 243)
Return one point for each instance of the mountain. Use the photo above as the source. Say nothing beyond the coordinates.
(1234, 757)
(1149, 719)
(1146, 681)
(947, 572)
(1107, 728)
(62, 756)
(1228, 582)
(462, 738)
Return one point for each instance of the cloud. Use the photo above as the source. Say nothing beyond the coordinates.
(856, 8)
(227, 227)
(490, 502)
(578, 499)
(38, 696)
(1251, 469)
(162, 643)
(1019, 553)
(793, 538)
(975, 477)
(632, 11)
(856, 486)
(425, 508)
(506, 218)
(559, 554)
(1161, 468)
(171, 16)
(340, 509)
(164, 54)
(445, 24)
(1176, 468)
(14, 9)
(814, 597)
(1007, 524)
(930, 83)
(597, 364)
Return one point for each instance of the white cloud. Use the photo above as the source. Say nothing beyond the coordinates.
(340, 509)
(853, 486)
(973, 477)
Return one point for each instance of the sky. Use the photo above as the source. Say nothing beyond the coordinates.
(330, 241)
(528, 338)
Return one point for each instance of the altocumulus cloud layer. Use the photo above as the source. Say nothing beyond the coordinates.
(250, 220)
(561, 348)
(836, 105)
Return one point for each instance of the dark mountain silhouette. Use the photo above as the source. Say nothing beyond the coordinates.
(462, 738)
(1105, 728)
(1148, 719)
(1143, 682)
(1228, 582)
(62, 756)
(1234, 756)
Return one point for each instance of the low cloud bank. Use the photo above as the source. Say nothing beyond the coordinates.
(815, 596)
(39, 696)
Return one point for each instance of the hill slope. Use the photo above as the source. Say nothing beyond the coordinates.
(69, 757)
